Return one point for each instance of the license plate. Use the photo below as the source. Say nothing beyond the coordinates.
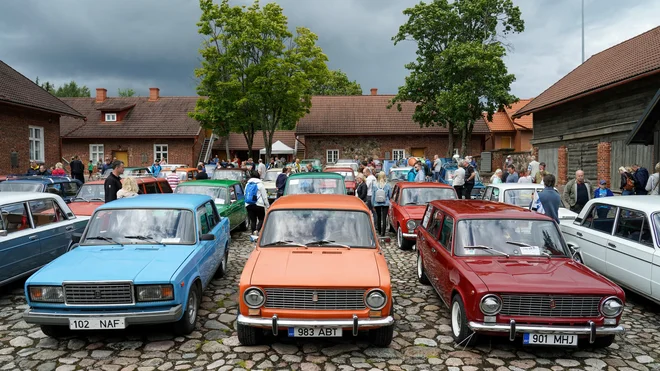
(550, 339)
(315, 332)
(113, 323)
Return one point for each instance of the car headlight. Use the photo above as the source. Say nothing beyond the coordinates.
(376, 299)
(46, 294)
(254, 297)
(155, 292)
(490, 305)
(611, 307)
(410, 224)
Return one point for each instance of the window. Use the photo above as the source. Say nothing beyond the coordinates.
(55, 189)
(165, 186)
(427, 216)
(632, 225)
(488, 193)
(45, 212)
(232, 194)
(332, 155)
(505, 142)
(110, 117)
(96, 153)
(496, 195)
(14, 218)
(398, 154)
(239, 191)
(70, 189)
(435, 223)
(211, 215)
(36, 144)
(151, 188)
(601, 218)
(160, 152)
(203, 222)
(445, 234)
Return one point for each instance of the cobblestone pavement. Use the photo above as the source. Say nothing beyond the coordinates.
(422, 339)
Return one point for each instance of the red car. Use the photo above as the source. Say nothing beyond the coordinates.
(503, 270)
(349, 177)
(407, 207)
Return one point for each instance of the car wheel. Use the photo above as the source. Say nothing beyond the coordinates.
(401, 242)
(244, 226)
(421, 274)
(222, 269)
(186, 324)
(249, 336)
(55, 331)
(460, 331)
(389, 224)
(382, 336)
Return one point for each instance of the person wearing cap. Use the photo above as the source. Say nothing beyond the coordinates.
(602, 191)
(156, 168)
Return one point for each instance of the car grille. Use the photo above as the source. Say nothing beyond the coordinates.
(550, 306)
(314, 299)
(98, 293)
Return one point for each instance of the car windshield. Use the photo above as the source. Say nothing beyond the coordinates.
(21, 187)
(325, 227)
(312, 161)
(272, 175)
(228, 174)
(422, 196)
(519, 197)
(135, 172)
(398, 174)
(348, 175)
(315, 185)
(92, 191)
(213, 192)
(513, 237)
(352, 165)
(168, 226)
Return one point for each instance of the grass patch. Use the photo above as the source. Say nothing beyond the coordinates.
(220, 303)
(242, 364)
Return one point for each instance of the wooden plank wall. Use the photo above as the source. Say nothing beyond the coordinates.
(549, 156)
(626, 155)
(583, 156)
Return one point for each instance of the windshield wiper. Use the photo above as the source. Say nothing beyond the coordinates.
(149, 239)
(287, 243)
(482, 247)
(410, 203)
(106, 239)
(80, 198)
(522, 244)
(327, 243)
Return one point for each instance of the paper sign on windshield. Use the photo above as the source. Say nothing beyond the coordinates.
(530, 250)
(170, 240)
(294, 181)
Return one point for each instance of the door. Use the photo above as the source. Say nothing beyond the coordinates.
(430, 246)
(241, 214)
(443, 260)
(233, 208)
(121, 156)
(52, 228)
(219, 230)
(591, 234)
(19, 250)
(206, 248)
(630, 251)
(417, 152)
(393, 211)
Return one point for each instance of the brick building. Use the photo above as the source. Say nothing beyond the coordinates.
(345, 126)
(585, 120)
(136, 130)
(510, 133)
(29, 123)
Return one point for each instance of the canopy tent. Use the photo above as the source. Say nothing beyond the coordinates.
(278, 148)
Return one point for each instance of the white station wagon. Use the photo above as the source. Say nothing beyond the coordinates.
(618, 238)
(522, 194)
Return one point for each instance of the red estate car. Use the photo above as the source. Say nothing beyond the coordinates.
(407, 206)
(348, 174)
(503, 270)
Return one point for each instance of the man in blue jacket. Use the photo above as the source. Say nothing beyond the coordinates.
(641, 176)
(602, 191)
(549, 198)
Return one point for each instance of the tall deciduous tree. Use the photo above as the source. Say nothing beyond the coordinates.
(459, 73)
(255, 73)
(125, 92)
(337, 83)
(72, 90)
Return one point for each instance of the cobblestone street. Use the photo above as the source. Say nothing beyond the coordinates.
(422, 338)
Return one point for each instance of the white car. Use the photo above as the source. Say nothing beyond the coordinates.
(269, 182)
(617, 237)
(521, 194)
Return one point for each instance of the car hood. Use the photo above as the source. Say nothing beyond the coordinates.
(415, 211)
(566, 214)
(539, 275)
(84, 208)
(316, 267)
(137, 263)
(269, 184)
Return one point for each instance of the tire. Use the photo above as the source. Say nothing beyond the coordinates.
(421, 273)
(244, 226)
(222, 269)
(389, 224)
(382, 336)
(249, 336)
(401, 242)
(187, 323)
(460, 331)
(55, 331)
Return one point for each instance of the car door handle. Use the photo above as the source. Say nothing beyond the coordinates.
(611, 245)
(33, 237)
(69, 228)
(579, 234)
(432, 250)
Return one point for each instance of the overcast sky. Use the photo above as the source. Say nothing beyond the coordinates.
(154, 43)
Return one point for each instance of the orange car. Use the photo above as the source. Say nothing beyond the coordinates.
(318, 270)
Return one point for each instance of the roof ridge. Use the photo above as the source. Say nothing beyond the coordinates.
(625, 41)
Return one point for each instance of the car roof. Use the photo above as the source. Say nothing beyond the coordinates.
(325, 175)
(41, 179)
(185, 169)
(210, 182)
(646, 203)
(158, 201)
(334, 169)
(275, 169)
(321, 202)
(11, 197)
(138, 180)
(506, 186)
(423, 185)
(480, 209)
(232, 169)
(407, 168)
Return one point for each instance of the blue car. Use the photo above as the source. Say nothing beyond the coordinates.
(447, 177)
(63, 186)
(35, 228)
(141, 260)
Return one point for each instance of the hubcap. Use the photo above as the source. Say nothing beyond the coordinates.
(192, 307)
(399, 237)
(456, 319)
(419, 266)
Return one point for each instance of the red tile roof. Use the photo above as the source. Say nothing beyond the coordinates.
(166, 117)
(525, 122)
(237, 141)
(502, 120)
(625, 61)
(17, 89)
(366, 114)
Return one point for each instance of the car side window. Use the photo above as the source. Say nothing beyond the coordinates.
(232, 194)
(488, 193)
(446, 233)
(239, 191)
(395, 194)
(495, 195)
(70, 189)
(211, 215)
(633, 225)
(55, 189)
(427, 216)
(600, 217)
(14, 218)
(165, 187)
(45, 212)
(202, 218)
(151, 187)
(435, 224)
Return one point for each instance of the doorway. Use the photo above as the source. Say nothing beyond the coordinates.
(417, 152)
(121, 156)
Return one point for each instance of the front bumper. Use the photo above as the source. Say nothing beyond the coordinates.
(356, 323)
(47, 317)
(512, 329)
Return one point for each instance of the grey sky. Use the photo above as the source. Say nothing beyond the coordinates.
(153, 43)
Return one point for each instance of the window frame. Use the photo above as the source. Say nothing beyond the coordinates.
(58, 213)
(645, 220)
(199, 213)
(433, 229)
(594, 206)
(510, 141)
(96, 155)
(161, 151)
(110, 117)
(327, 155)
(240, 193)
(215, 217)
(26, 213)
(40, 141)
(398, 151)
(449, 245)
(69, 185)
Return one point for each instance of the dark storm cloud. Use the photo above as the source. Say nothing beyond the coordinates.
(139, 44)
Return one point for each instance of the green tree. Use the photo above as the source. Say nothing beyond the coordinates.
(125, 92)
(459, 73)
(47, 86)
(336, 83)
(72, 90)
(255, 73)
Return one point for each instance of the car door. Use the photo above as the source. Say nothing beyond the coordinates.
(19, 249)
(232, 209)
(394, 212)
(591, 233)
(241, 213)
(207, 262)
(443, 259)
(219, 230)
(428, 240)
(630, 251)
(655, 267)
(52, 227)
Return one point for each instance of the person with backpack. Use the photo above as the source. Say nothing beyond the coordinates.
(653, 184)
(627, 181)
(256, 201)
(641, 176)
(380, 198)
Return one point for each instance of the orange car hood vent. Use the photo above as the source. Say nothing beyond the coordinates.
(301, 252)
(331, 252)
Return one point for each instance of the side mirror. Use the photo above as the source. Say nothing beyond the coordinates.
(254, 238)
(575, 252)
(207, 237)
(232, 201)
(76, 237)
(3, 233)
(573, 247)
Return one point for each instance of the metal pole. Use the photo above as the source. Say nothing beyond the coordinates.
(582, 31)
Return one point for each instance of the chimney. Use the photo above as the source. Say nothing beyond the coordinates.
(101, 94)
(153, 94)
(374, 91)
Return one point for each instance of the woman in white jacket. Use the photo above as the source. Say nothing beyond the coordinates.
(256, 201)
(653, 184)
